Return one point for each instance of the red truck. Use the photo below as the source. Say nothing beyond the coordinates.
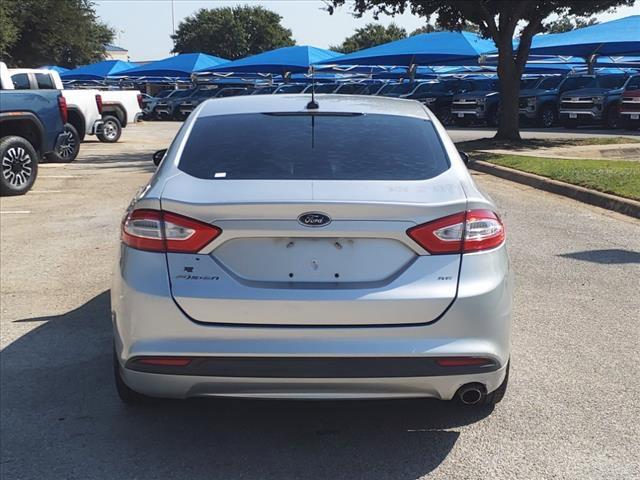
(630, 104)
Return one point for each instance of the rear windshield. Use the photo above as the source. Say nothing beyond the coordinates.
(313, 147)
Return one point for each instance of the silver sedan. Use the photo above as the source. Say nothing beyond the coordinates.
(290, 248)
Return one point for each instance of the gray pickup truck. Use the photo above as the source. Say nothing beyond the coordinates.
(31, 126)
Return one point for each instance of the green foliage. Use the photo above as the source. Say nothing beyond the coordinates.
(430, 28)
(370, 35)
(61, 32)
(8, 29)
(566, 24)
(231, 32)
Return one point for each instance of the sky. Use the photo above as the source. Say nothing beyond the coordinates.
(143, 26)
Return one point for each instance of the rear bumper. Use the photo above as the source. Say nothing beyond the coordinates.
(580, 115)
(183, 386)
(349, 361)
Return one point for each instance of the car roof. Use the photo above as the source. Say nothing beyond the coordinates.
(330, 103)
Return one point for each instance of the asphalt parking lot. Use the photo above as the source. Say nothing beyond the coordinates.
(571, 410)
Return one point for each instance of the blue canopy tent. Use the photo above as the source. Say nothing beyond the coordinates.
(617, 37)
(437, 48)
(97, 71)
(280, 61)
(178, 66)
(55, 68)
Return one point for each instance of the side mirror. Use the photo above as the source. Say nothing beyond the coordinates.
(465, 157)
(158, 156)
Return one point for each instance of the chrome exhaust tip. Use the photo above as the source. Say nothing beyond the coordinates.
(471, 394)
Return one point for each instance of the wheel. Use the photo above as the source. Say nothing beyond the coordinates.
(612, 117)
(547, 116)
(444, 114)
(19, 165)
(111, 129)
(68, 148)
(126, 394)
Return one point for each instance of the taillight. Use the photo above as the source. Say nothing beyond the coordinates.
(157, 231)
(463, 361)
(140, 104)
(164, 361)
(462, 232)
(99, 103)
(62, 105)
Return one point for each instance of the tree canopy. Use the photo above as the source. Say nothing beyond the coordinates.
(231, 32)
(566, 24)
(498, 20)
(66, 33)
(370, 35)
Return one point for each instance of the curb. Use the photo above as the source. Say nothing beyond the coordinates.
(603, 200)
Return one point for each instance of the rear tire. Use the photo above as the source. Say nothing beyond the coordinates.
(445, 116)
(547, 116)
(18, 166)
(127, 395)
(111, 129)
(68, 149)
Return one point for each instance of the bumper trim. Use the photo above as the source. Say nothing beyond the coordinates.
(314, 367)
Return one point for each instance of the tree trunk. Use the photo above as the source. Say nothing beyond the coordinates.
(509, 75)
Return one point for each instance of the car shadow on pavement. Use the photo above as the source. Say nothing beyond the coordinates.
(61, 418)
(614, 256)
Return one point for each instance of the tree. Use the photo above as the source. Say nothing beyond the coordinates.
(370, 35)
(498, 20)
(566, 24)
(8, 29)
(430, 28)
(231, 32)
(66, 33)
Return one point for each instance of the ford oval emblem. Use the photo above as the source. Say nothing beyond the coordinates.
(314, 219)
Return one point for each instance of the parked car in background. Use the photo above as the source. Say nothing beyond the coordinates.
(31, 126)
(290, 88)
(188, 105)
(265, 90)
(165, 108)
(539, 103)
(83, 107)
(291, 265)
(438, 95)
(149, 111)
(479, 105)
(592, 99)
(114, 109)
(630, 106)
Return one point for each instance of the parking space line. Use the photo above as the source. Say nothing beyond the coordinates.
(14, 212)
(58, 176)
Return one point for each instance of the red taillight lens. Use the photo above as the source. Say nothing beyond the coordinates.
(62, 105)
(99, 103)
(463, 361)
(158, 231)
(164, 361)
(462, 232)
(140, 104)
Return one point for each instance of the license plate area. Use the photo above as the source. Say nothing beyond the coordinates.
(573, 115)
(316, 260)
(635, 116)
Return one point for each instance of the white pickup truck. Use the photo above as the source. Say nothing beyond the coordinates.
(91, 112)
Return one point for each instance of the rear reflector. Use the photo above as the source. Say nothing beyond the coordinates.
(165, 361)
(99, 103)
(463, 232)
(158, 231)
(463, 361)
